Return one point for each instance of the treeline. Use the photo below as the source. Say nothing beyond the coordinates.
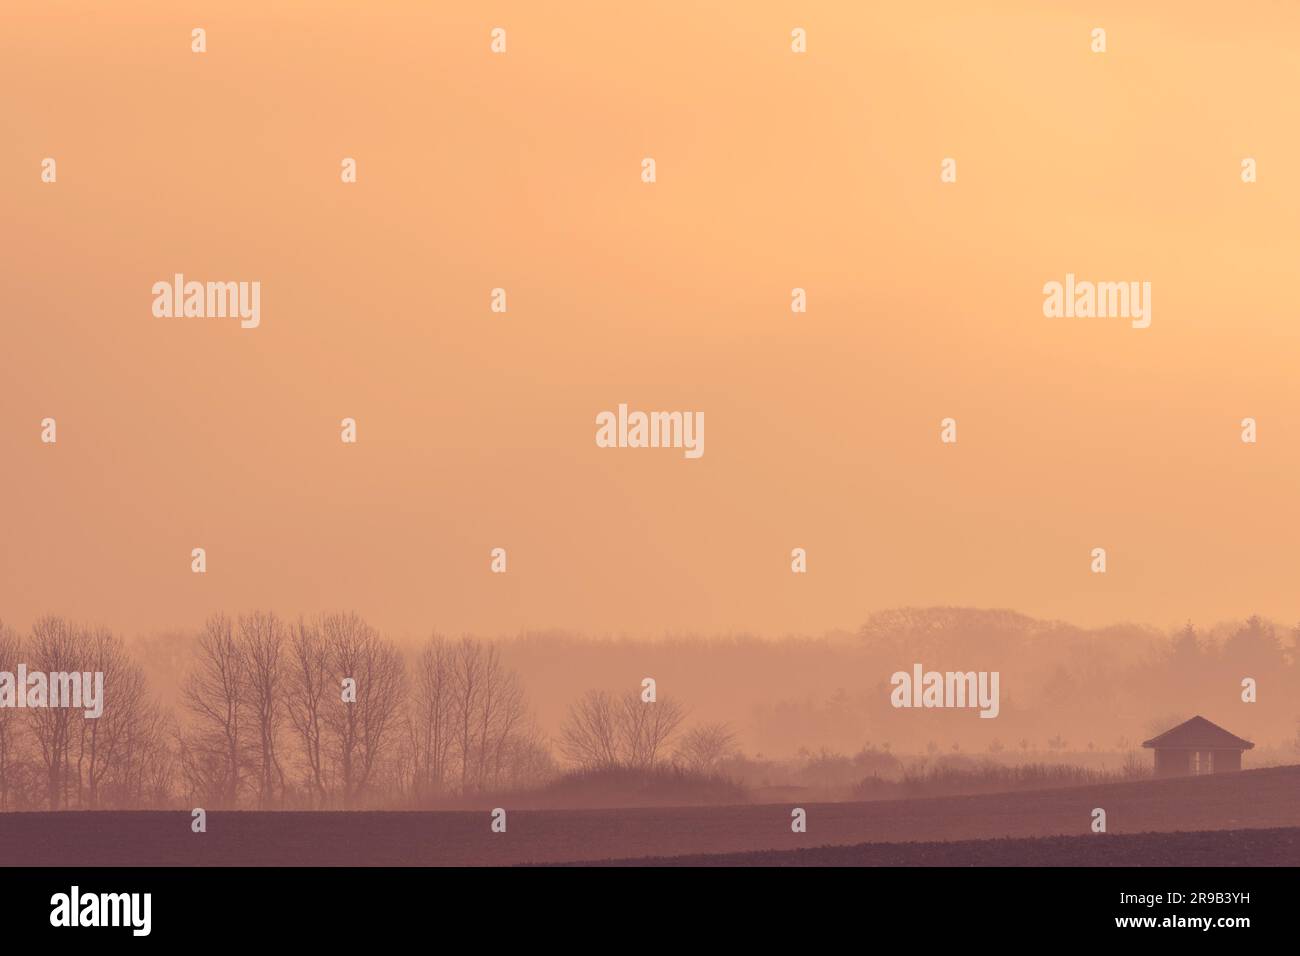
(1065, 689)
(56, 757)
(320, 713)
(328, 713)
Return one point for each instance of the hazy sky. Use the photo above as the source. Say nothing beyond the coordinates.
(774, 170)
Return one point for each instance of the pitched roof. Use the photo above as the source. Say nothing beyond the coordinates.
(1198, 734)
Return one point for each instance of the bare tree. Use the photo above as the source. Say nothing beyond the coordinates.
(363, 723)
(308, 686)
(56, 646)
(603, 731)
(468, 723)
(590, 736)
(500, 713)
(646, 727)
(86, 761)
(527, 761)
(10, 655)
(704, 747)
(432, 716)
(141, 773)
(261, 644)
(467, 683)
(101, 743)
(213, 750)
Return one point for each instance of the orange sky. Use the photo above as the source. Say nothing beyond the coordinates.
(775, 170)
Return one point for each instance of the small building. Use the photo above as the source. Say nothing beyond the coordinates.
(1195, 747)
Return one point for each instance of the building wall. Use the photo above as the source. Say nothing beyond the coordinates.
(1179, 763)
(1173, 763)
(1227, 760)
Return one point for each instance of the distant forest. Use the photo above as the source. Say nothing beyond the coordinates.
(256, 710)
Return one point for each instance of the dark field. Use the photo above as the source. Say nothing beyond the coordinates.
(1276, 847)
(1257, 810)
